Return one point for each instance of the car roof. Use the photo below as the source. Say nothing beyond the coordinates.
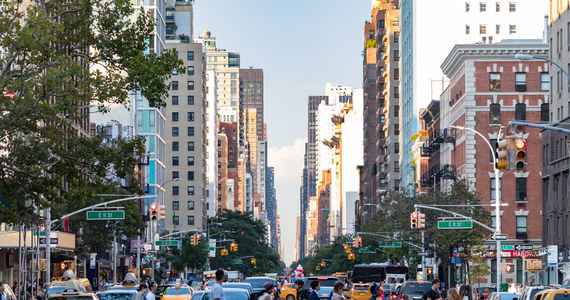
(229, 290)
(259, 277)
(130, 291)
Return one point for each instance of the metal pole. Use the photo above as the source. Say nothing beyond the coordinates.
(523, 271)
(48, 246)
(114, 258)
(75, 265)
(153, 248)
(423, 257)
(498, 226)
(139, 256)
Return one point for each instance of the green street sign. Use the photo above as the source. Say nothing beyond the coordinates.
(106, 215)
(166, 243)
(237, 262)
(210, 249)
(461, 224)
(390, 245)
(42, 233)
(366, 251)
(147, 258)
(507, 247)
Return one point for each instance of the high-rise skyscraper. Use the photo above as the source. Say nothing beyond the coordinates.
(251, 95)
(271, 206)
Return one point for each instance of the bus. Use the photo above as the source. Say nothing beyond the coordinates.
(377, 272)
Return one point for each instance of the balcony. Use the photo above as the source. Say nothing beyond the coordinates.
(448, 135)
(170, 19)
(426, 151)
(448, 172)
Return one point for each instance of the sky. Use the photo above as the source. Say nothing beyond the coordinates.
(301, 45)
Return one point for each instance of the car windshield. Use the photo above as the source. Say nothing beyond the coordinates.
(197, 296)
(564, 296)
(58, 289)
(417, 288)
(161, 288)
(72, 298)
(237, 286)
(257, 283)
(516, 296)
(230, 296)
(116, 296)
(175, 291)
(322, 282)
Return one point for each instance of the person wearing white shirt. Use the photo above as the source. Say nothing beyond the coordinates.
(217, 290)
(151, 290)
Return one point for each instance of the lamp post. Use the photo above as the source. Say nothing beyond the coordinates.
(521, 56)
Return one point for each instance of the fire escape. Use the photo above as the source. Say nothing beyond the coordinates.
(436, 172)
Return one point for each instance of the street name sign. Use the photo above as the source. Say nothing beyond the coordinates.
(366, 251)
(424, 254)
(166, 243)
(499, 237)
(508, 247)
(237, 262)
(390, 245)
(106, 215)
(460, 224)
(147, 258)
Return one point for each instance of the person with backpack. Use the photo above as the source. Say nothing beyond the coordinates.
(433, 293)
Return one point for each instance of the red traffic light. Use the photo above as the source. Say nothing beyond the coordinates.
(520, 144)
(153, 206)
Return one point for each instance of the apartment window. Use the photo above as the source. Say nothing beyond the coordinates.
(175, 205)
(174, 131)
(494, 221)
(174, 146)
(396, 55)
(498, 29)
(396, 129)
(175, 160)
(174, 71)
(190, 175)
(494, 82)
(467, 29)
(512, 29)
(521, 190)
(190, 131)
(512, 7)
(190, 85)
(175, 190)
(174, 86)
(175, 175)
(174, 100)
(482, 7)
(483, 29)
(175, 220)
(382, 119)
(175, 54)
(467, 6)
(175, 117)
(493, 189)
(520, 111)
(396, 74)
(396, 37)
(190, 116)
(495, 113)
(190, 220)
(521, 227)
(396, 111)
(497, 6)
(191, 205)
(191, 190)
(544, 111)
(190, 146)
(396, 166)
(190, 160)
(544, 81)
(396, 148)
(190, 70)
(190, 100)
(190, 55)
(520, 81)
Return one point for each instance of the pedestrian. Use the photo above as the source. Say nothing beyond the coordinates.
(2, 291)
(151, 290)
(453, 294)
(141, 291)
(433, 293)
(376, 292)
(464, 292)
(268, 292)
(217, 290)
(315, 286)
(299, 288)
(337, 291)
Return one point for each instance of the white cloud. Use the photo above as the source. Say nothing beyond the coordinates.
(288, 161)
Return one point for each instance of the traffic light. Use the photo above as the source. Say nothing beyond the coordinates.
(421, 220)
(154, 211)
(357, 242)
(318, 268)
(520, 154)
(224, 252)
(323, 264)
(198, 239)
(346, 249)
(233, 247)
(508, 268)
(161, 212)
(147, 271)
(67, 265)
(253, 261)
(414, 220)
(502, 154)
(193, 239)
(429, 270)
(62, 266)
(351, 256)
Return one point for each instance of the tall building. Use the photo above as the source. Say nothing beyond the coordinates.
(303, 207)
(251, 96)
(225, 196)
(464, 22)
(271, 206)
(212, 144)
(488, 88)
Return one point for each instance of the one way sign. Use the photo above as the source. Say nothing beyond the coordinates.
(523, 247)
(53, 241)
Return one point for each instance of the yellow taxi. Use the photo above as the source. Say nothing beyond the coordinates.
(360, 291)
(73, 291)
(551, 294)
(57, 287)
(288, 292)
(178, 293)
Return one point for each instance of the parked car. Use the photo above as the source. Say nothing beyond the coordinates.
(239, 285)
(231, 294)
(360, 291)
(126, 294)
(413, 290)
(257, 283)
(552, 294)
(530, 291)
(484, 292)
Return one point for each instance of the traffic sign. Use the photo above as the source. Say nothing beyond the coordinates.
(53, 241)
(422, 253)
(459, 224)
(237, 262)
(390, 245)
(147, 258)
(507, 247)
(210, 249)
(166, 243)
(455, 252)
(458, 260)
(523, 247)
(366, 251)
(106, 215)
(453, 260)
(499, 237)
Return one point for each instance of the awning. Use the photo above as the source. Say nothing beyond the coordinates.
(59, 240)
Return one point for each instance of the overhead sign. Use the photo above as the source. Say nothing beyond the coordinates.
(366, 251)
(552, 255)
(237, 262)
(499, 237)
(461, 224)
(53, 241)
(523, 247)
(212, 248)
(166, 243)
(106, 215)
(507, 247)
(390, 245)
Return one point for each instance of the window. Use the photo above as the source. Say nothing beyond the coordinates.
(174, 86)
(467, 29)
(190, 55)
(190, 131)
(521, 190)
(495, 113)
(512, 29)
(174, 100)
(175, 220)
(520, 81)
(494, 82)
(175, 54)
(482, 29)
(467, 6)
(174, 71)
(396, 111)
(498, 29)
(493, 189)
(191, 190)
(190, 70)
(190, 116)
(175, 175)
(520, 111)
(190, 85)
(497, 6)
(544, 81)
(190, 160)
(175, 205)
(190, 100)
(174, 117)
(174, 131)
(174, 146)
(396, 166)
(190, 175)
(175, 160)
(190, 146)
(521, 228)
(396, 147)
(482, 7)
(512, 7)
(175, 190)
(544, 112)
(396, 37)
(190, 220)
(191, 205)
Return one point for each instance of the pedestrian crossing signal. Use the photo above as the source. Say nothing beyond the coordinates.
(147, 271)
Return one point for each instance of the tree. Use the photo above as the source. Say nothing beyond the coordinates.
(55, 59)
(478, 267)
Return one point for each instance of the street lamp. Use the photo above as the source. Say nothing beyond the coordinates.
(521, 56)
(377, 206)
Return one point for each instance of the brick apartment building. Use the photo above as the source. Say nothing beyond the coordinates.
(487, 89)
